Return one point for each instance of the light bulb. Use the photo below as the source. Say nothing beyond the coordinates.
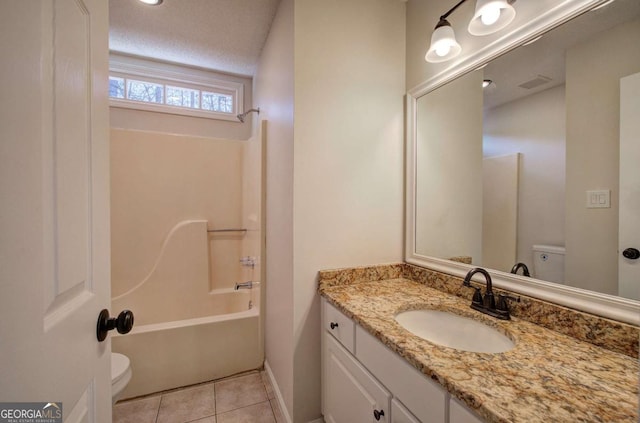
(490, 15)
(442, 49)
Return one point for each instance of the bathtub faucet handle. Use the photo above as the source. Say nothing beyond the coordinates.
(243, 285)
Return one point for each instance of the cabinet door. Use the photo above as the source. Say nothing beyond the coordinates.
(351, 393)
(424, 398)
(399, 413)
(458, 413)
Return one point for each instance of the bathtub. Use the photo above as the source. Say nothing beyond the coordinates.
(207, 345)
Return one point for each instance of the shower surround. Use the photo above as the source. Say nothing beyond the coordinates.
(178, 278)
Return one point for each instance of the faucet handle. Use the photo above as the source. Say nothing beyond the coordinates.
(477, 294)
(503, 305)
(489, 301)
(477, 297)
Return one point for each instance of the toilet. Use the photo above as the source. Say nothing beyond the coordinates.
(120, 375)
(548, 263)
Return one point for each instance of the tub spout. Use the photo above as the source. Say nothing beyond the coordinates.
(243, 285)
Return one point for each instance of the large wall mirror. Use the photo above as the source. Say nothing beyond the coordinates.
(533, 157)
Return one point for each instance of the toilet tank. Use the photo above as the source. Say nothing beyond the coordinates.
(548, 263)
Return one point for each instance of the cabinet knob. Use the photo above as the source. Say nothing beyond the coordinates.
(333, 325)
(378, 413)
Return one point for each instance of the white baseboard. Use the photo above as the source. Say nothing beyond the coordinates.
(276, 388)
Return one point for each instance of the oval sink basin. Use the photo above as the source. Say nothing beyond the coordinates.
(453, 331)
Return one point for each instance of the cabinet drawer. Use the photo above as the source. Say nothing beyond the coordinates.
(424, 398)
(338, 325)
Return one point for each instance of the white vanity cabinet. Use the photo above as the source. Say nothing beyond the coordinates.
(400, 414)
(365, 381)
(351, 393)
(339, 325)
(458, 413)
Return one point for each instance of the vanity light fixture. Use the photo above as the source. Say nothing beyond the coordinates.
(490, 16)
(486, 83)
(443, 43)
(152, 2)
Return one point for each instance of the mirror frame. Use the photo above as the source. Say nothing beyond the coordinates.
(605, 305)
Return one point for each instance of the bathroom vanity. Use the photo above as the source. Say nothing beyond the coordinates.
(375, 370)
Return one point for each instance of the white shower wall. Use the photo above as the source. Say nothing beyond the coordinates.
(158, 180)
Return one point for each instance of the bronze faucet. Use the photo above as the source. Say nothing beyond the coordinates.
(487, 303)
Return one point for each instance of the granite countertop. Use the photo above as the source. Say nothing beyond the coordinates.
(546, 377)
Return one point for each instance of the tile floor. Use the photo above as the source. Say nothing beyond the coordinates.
(246, 398)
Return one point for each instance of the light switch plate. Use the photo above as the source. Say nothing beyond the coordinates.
(599, 199)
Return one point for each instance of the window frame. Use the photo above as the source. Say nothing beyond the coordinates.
(176, 76)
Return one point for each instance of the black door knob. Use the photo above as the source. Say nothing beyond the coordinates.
(378, 414)
(333, 325)
(631, 253)
(123, 323)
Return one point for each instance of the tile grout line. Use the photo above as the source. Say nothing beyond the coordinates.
(273, 412)
(215, 402)
(266, 391)
(240, 408)
(158, 410)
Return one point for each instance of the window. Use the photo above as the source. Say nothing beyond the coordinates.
(141, 84)
(144, 91)
(183, 97)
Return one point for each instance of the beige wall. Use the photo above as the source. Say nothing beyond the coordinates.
(449, 171)
(273, 90)
(535, 127)
(343, 204)
(348, 158)
(594, 69)
(158, 180)
(142, 120)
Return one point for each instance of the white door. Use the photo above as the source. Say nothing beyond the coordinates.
(629, 224)
(54, 200)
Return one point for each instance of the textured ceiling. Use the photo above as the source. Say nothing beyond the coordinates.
(223, 35)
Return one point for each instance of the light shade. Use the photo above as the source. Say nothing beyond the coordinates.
(491, 16)
(152, 2)
(443, 44)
